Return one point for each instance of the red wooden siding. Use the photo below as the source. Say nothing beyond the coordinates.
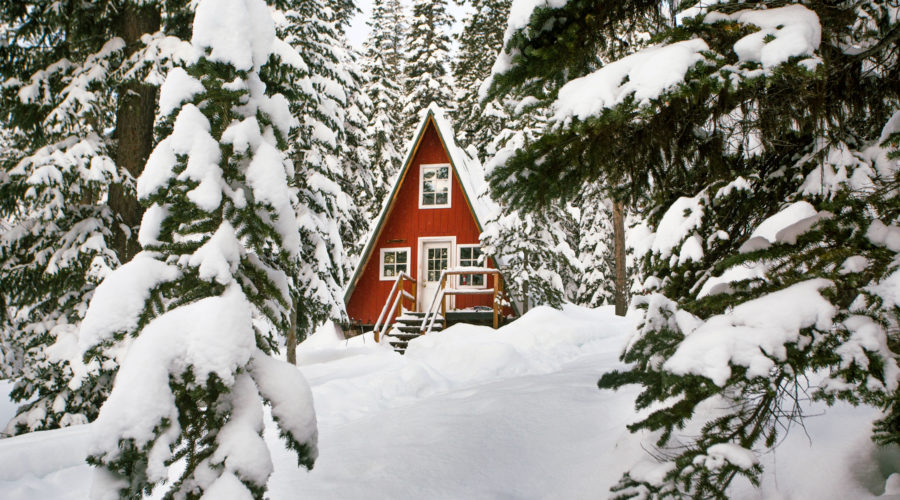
(407, 223)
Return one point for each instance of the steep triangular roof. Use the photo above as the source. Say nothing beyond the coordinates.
(467, 168)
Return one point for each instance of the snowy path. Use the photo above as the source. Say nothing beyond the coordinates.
(476, 414)
(532, 436)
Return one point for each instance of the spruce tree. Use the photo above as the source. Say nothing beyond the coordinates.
(593, 242)
(538, 264)
(78, 105)
(192, 318)
(480, 41)
(383, 65)
(319, 86)
(536, 247)
(428, 78)
(357, 173)
(767, 178)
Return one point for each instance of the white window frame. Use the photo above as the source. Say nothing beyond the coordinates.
(383, 251)
(459, 248)
(422, 184)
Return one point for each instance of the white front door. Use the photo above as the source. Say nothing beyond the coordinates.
(434, 259)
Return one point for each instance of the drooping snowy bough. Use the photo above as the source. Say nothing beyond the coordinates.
(760, 145)
(190, 319)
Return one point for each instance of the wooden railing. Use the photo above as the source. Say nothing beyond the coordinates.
(399, 294)
(443, 292)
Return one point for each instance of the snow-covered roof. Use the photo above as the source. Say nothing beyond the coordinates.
(468, 170)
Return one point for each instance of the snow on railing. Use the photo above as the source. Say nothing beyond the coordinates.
(443, 292)
(397, 304)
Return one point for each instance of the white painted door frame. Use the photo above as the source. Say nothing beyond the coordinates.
(425, 297)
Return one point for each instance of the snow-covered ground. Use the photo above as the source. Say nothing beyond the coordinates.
(480, 414)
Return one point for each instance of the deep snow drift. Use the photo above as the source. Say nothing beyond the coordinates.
(477, 414)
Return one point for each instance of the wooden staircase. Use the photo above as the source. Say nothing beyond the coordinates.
(406, 327)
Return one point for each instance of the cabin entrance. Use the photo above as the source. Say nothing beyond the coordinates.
(434, 259)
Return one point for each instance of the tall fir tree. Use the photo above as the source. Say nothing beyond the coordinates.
(593, 242)
(78, 115)
(479, 121)
(538, 264)
(766, 171)
(535, 246)
(427, 64)
(357, 173)
(384, 67)
(320, 85)
(192, 319)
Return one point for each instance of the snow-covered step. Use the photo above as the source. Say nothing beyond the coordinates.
(408, 328)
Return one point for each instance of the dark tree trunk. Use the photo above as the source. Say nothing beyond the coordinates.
(619, 237)
(134, 131)
(291, 341)
(525, 284)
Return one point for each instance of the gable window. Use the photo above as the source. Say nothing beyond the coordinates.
(393, 262)
(434, 186)
(470, 256)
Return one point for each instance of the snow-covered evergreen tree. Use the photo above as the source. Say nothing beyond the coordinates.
(358, 174)
(764, 162)
(536, 246)
(78, 103)
(538, 263)
(479, 121)
(427, 62)
(191, 320)
(593, 242)
(322, 90)
(384, 67)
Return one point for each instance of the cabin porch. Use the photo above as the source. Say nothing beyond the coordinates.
(402, 321)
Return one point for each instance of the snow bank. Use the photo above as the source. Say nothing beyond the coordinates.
(521, 418)
(542, 342)
(40, 453)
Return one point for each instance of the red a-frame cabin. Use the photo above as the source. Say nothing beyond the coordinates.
(428, 227)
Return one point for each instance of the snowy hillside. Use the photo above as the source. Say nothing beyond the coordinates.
(477, 414)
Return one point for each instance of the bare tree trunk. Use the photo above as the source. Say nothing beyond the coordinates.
(524, 297)
(134, 130)
(525, 285)
(619, 238)
(291, 341)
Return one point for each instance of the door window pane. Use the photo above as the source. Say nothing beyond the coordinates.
(436, 261)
